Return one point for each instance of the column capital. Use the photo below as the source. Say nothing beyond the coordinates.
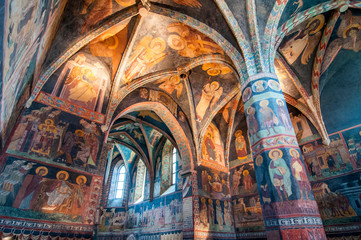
(258, 76)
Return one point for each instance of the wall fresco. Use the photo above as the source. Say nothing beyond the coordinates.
(213, 149)
(216, 215)
(49, 135)
(24, 27)
(326, 161)
(37, 191)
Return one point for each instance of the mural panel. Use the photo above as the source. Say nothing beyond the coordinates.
(326, 161)
(33, 190)
(49, 135)
(213, 149)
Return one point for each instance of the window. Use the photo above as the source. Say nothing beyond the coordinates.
(120, 182)
(299, 126)
(174, 165)
(117, 186)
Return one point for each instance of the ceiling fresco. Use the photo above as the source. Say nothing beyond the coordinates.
(140, 77)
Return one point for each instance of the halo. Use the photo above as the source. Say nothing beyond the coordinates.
(63, 172)
(270, 154)
(210, 200)
(49, 121)
(81, 177)
(155, 42)
(216, 84)
(42, 168)
(264, 103)
(218, 202)
(259, 160)
(294, 150)
(249, 109)
(176, 42)
(245, 172)
(321, 18)
(238, 133)
(79, 133)
(176, 77)
(280, 101)
(346, 31)
(203, 200)
(115, 39)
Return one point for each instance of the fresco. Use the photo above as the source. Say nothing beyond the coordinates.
(173, 40)
(84, 81)
(248, 214)
(213, 184)
(160, 213)
(24, 26)
(213, 149)
(299, 46)
(55, 13)
(49, 135)
(338, 201)
(326, 161)
(353, 142)
(215, 215)
(33, 190)
(113, 219)
(243, 180)
(240, 150)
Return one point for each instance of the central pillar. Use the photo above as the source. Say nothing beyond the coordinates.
(288, 205)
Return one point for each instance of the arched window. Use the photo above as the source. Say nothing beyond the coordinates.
(117, 186)
(174, 166)
(120, 182)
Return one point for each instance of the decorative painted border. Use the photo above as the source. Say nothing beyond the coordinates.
(69, 107)
(239, 35)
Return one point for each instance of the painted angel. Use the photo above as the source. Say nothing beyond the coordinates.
(304, 41)
(349, 38)
(146, 54)
(211, 92)
(169, 84)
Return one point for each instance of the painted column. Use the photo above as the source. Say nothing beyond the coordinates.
(288, 205)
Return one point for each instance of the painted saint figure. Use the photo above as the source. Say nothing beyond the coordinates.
(211, 93)
(27, 197)
(270, 119)
(219, 213)
(210, 212)
(236, 180)
(228, 213)
(280, 174)
(299, 173)
(305, 41)
(59, 191)
(252, 123)
(248, 182)
(203, 213)
(169, 84)
(146, 54)
(77, 196)
(240, 143)
(84, 83)
(284, 116)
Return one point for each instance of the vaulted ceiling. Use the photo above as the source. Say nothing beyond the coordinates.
(191, 56)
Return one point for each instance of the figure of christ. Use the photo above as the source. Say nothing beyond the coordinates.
(57, 193)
